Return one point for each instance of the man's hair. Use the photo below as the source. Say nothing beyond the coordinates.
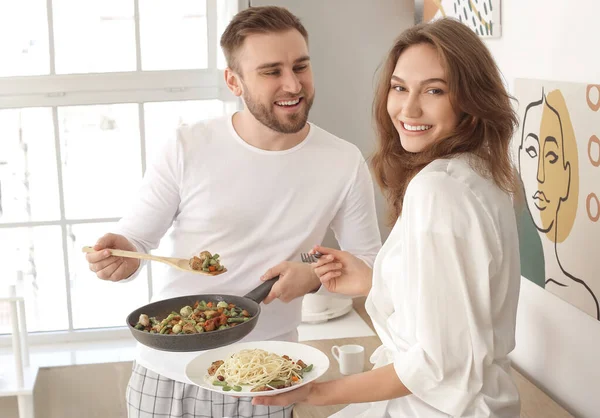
(256, 20)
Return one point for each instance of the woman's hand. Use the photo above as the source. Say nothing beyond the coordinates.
(301, 394)
(375, 385)
(341, 272)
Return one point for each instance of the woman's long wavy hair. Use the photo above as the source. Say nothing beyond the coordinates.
(486, 122)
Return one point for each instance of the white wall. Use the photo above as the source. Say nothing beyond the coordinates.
(348, 40)
(558, 347)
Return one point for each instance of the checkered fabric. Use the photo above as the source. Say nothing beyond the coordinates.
(152, 395)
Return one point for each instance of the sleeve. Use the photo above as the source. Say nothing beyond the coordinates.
(355, 224)
(157, 201)
(449, 259)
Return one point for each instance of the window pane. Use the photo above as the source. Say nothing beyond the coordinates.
(160, 271)
(33, 258)
(98, 303)
(28, 175)
(101, 158)
(24, 38)
(226, 9)
(173, 34)
(94, 36)
(162, 119)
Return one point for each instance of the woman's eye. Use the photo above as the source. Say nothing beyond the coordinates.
(531, 151)
(398, 88)
(435, 91)
(552, 157)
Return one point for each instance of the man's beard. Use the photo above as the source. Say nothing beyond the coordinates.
(293, 123)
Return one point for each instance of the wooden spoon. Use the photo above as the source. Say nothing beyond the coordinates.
(178, 263)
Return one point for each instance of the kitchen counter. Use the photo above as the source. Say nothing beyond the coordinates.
(534, 402)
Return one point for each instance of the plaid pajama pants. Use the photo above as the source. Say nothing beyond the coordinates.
(150, 395)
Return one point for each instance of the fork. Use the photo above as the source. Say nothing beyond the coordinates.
(310, 258)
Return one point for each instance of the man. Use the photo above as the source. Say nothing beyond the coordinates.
(257, 187)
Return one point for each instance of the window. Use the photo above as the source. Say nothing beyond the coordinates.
(89, 91)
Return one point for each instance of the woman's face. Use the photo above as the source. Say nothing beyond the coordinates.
(418, 99)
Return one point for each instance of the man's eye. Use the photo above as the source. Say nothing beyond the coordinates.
(301, 68)
(552, 157)
(531, 151)
(272, 72)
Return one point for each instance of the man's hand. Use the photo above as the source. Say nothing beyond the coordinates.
(295, 280)
(110, 267)
(341, 272)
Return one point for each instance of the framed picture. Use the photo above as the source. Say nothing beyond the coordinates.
(557, 151)
(483, 16)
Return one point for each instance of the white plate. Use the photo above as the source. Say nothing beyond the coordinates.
(337, 307)
(197, 369)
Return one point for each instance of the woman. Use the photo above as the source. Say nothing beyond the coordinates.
(443, 292)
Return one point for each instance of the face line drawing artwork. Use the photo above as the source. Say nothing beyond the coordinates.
(548, 223)
(538, 194)
(483, 17)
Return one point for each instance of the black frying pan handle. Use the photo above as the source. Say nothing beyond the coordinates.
(261, 291)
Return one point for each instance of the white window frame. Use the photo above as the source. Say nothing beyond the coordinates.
(140, 86)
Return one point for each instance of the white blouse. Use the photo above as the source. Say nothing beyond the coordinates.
(444, 298)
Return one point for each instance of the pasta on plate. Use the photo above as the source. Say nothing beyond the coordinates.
(260, 369)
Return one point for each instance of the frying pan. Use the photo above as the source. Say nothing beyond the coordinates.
(205, 340)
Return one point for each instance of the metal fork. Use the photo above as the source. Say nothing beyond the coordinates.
(310, 258)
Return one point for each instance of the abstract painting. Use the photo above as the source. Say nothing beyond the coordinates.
(557, 151)
(483, 16)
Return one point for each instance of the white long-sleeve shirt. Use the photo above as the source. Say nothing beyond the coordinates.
(255, 208)
(444, 298)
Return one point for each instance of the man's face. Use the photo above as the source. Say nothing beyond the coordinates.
(276, 79)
